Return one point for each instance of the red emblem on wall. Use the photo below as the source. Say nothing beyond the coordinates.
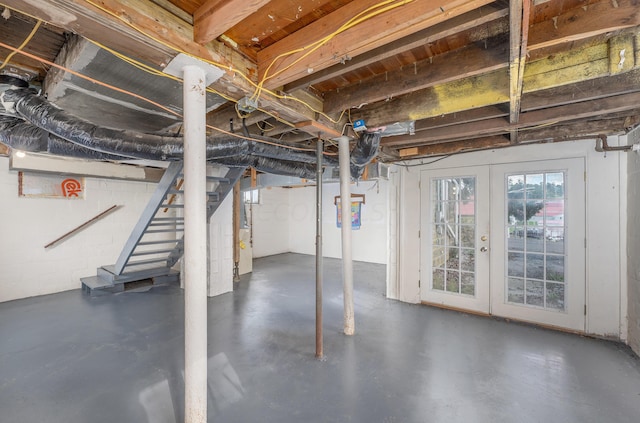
(71, 187)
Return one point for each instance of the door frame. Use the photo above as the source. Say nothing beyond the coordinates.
(575, 318)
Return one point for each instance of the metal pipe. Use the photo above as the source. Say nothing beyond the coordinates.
(603, 146)
(195, 246)
(319, 343)
(236, 232)
(347, 263)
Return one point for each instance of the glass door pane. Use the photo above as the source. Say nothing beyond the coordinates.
(538, 244)
(535, 232)
(453, 235)
(454, 249)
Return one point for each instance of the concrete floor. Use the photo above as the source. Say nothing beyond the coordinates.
(71, 358)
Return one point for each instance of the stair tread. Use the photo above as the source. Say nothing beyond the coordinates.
(96, 282)
(150, 252)
(164, 241)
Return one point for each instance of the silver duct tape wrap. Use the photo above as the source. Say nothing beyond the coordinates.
(57, 132)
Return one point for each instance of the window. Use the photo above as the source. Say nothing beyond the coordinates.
(252, 196)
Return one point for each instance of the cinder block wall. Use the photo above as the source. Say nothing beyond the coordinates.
(633, 251)
(28, 224)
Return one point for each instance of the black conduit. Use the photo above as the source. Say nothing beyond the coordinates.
(48, 127)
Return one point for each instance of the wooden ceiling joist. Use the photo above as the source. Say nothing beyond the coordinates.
(520, 11)
(593, 89)
(155, 36)
(472, 19)
(529, 121)
(591, 62)
(454, 147)
(294, 56)
(214, 17)
(595, 18)
(469, 61)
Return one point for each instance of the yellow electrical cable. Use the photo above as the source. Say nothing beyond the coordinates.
(123, 91)
(149, 69)
(24, 43)
(228, 68)
(382, 7)
(318, 43)
(179, 50)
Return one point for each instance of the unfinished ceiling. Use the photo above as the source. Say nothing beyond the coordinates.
(467, 75)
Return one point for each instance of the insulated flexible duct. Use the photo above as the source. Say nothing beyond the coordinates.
(50, 126)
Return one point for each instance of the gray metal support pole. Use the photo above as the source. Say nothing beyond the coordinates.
(195, 246)
(347, 262)
(319, 343)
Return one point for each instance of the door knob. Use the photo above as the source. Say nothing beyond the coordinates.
(483, 249)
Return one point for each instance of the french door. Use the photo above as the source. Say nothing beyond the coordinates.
(507, 240)
(455, 238)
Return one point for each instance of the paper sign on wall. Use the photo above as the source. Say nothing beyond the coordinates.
(50, 186)
(357, 200)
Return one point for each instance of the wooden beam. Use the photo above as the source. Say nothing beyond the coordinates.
(579, 129)
(472, 19)
(214, 17)
(585, 109)
(451, 133)
(621, 54)
(519, 17)
(516, 17)
(584, 22)
(468, 61)
(566, 68)
(490, 89)
(387, 27)
(142, 30)
(612, 106)
(313, 127)
(456, 147)
(472, 115)
(468, 93)
(594, 89)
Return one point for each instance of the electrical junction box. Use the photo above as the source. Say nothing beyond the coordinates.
(247, 105)
(359, 126)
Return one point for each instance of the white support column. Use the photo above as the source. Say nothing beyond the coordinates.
(319, 339)
(195, 246)
(347, 263)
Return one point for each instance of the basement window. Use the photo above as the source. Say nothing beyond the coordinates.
(252, 196)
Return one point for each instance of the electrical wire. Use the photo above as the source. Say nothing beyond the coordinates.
(211, 62)
(145, 99)
(422, 163)
(24, 43)
(363, 16)
(217, 64)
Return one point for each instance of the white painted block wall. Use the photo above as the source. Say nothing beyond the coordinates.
(270, 218)
(606, 231)
(369, 242)
(220, 238)
(285, 221)
(633, 250)
(28, 224)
